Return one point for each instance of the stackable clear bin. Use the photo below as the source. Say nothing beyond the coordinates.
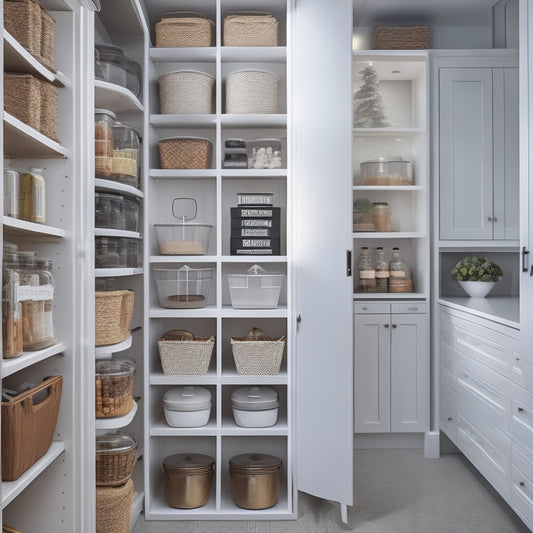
(255, 290)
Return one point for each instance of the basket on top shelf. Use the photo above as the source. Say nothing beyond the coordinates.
(396, 37)
(257, 354)
(113, 508)
(184, 29)
(112, 316)
(183, 354)
(250, 28)
(33, 27)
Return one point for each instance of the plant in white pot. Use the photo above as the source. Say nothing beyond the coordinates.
(477, 275)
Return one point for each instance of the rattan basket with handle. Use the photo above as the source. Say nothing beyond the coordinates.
(250, 28)
(184, 29)
(113, 313)
(251, 91)
(186, 91)
(185, 152)
(113, 508)
(22, 98)
(186, 358)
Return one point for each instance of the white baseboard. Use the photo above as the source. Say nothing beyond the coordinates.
(388, 441)
(432, 445)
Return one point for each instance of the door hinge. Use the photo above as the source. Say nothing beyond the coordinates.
(525, 259)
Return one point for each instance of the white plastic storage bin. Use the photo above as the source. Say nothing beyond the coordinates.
(183, 288)
(255, 407)
(257, 289)
(187, 406)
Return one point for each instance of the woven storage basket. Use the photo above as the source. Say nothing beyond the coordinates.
(48, 29)
(186, 91)
(183, 29)
(113, 314)
(186, 358)
(22, 98)
(401, 38)
(48, 123)
(22, 19)
(113, 508)
(251, 28)
(258, 358)
(28, 428)
(251, 91)
(7, 529)
(185, 152)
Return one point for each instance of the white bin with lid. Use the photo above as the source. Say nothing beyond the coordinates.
(257, 289)
(187, 406)
(255, 407)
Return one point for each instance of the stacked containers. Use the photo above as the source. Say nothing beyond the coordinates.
(103, 143)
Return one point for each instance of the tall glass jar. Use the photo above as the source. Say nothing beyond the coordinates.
(382, 270)
(12, 336)
(46, 283)
(103, 143)
(126, 153)
(367, 273)
(33, 196)
(381, 215)
(401, 279)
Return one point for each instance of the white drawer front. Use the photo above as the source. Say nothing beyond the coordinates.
(447, 357)
(448, 334)
(448, 412)
(522, 414)
(409, 307)
(522, 371)
(374, 308)
(522, 486)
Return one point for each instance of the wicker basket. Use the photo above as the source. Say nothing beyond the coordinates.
(186, 358)
(48, 123)
(250, 29)
(183, 29)
(7, 529)
(185, 152)
(186, 91)
(258, 358)
(251, 91)
(113, 508)
(22, 98)
(401, 38)
(48, 29)
(113, 314)
(28, 428)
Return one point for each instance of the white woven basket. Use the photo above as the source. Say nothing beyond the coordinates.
(251, 91)
(257, 358)
(186, 91)
(185, 358)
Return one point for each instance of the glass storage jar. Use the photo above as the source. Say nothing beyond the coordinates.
(12, 336)
(133, 77)
(367, 272)
(103, 143)
(106, 251)
(11, 193)
(381, 215)
(382, 270)
(126, 152)
(131, 214)
(46, 279)
(32, 205)
(109, 211)
(401, 279)
(112, 63)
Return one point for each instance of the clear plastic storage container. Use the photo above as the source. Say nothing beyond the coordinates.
(33, 196)
(131, 214)
(113, 387)
(126, 153)
(103, 143)
(134, 77)
(109, 211)
(112, 63)
(183, 239)
(115, 458)
(386, 171)
(257, 289)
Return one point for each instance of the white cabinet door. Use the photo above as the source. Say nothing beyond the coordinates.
(465, 101)
(321, 235)
(372, 374)
(409, 373)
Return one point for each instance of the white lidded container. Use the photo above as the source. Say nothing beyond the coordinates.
(187, 406)
(255, 407)
(257, 289)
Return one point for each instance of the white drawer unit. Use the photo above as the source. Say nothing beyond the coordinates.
(522, 483)
(371, 308)
(448, 358)
(448, 412)
(522, 414)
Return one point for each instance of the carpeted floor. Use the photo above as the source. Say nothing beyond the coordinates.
(396, 491)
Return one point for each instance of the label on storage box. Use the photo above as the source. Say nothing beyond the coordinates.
(255, 232)
(367, 274)
(256, 243)
(397, 274)
(36, 293)
(252, 251)
(256, 223)
(256, 212)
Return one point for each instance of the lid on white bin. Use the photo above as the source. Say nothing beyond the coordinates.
(187, 398)
(254, 398)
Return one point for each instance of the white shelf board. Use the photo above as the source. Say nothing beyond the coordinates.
(230, 312)
(254, 173)
(358, 296)
(115, 186)
(230, 428)
(204, 54)
(174, 174)
(232, 378)
(203, 312)
(183, 121)
(207, 379)
(108, 232)
(105, 352)
(253, 54)
(266, 120)
(162, 429)
(504, 246)
(116, 422)
(21, 141)
(10, 366)
(362, 132)
(11, 489)
(183, 259)
(254, 259)
(403, 188)
(116, 272)
(389, 235)
(23, 228)
(114, 97)
(136, 508)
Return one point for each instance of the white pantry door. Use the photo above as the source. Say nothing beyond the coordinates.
(321, 78)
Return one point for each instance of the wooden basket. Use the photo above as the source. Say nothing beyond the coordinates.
(401, 38)
(185, 153)
(186, 358)
(258, 358)
(48, 29)
(22, 98)
(186, 91)
(28, 428)
(112, 316)
(251, 28)
(114, 467)
(48, 122)
(113, 508)
(251, 91)
(184, 29)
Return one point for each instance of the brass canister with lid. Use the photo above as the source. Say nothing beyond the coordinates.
(255, 479)
(188, 479)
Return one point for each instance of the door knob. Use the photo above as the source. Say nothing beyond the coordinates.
(386, 325)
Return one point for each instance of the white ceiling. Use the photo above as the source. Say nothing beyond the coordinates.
(436, 12)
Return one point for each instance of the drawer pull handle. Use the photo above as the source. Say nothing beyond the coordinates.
(520, 409)
(522, 484)
(450, 419)
(365, 308)
(386, 325)
(394, 326)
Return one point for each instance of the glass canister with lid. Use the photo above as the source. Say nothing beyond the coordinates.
(401, 279)
(12, 336)
(103, 143)
(133, 77)
(32, 205)
(112, 63)
(109, 211)
(126, 153)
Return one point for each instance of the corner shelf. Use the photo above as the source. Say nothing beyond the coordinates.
(117, 272)
(105, 352)
(22, 228)
(10, 366)
(118, 99)
(115, 186)
(116, 422)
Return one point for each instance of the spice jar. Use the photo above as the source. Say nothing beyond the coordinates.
(400, 274)
(381, 216)
(11, 193)
(382, 270)
(126, 151)
(367, 272)
(12, 336)
(103, 142)
(32, 205)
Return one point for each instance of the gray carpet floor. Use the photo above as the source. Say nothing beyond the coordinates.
(396, 491)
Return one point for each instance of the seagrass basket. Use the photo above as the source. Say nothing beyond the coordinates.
(186, 91)
(251, 91)
(257, 357)
(28, 427)
(113, 508)
(401, 38)
(184, 29)
(251, 28)
(48, 28)
(22, 98)
(185, 152)
(186, 358)
(48, 121)
(115, 458)
(113, 313)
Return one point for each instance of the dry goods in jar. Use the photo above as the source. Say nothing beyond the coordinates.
(113, 388)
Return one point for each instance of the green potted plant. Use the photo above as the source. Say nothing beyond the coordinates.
(362, 217)
(477, 275)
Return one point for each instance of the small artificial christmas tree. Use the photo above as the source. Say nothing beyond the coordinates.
(368, 109)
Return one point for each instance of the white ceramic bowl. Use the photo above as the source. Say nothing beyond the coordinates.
(187, 419)
(255, 419)
(477, 289)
